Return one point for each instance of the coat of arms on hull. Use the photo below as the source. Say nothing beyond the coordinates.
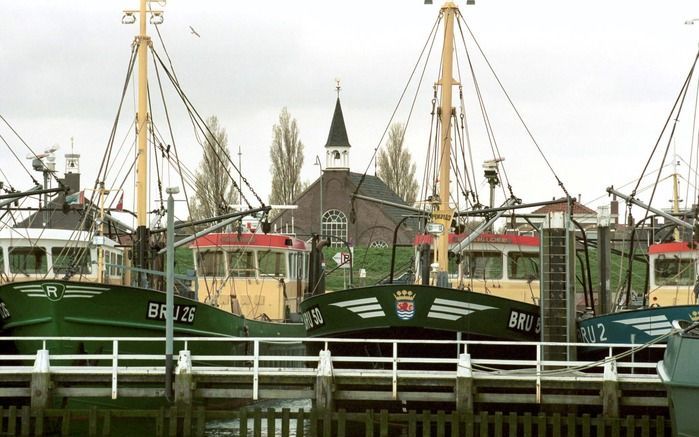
(405, 304)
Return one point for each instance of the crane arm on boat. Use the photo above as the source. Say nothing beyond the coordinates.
(463, 244)
(663, 214)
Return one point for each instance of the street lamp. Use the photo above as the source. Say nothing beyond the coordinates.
(320, 217)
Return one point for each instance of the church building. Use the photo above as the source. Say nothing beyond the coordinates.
(326, 206)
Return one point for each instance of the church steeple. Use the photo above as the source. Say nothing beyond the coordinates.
(337, 147)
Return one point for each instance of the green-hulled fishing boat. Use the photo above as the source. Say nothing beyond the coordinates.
(104, 279)
(455, 296)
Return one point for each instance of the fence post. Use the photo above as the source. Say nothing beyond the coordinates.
(183, 380)
(610, 390)
(41, 380)
(464, 385)
(324, 382)
(115, 367)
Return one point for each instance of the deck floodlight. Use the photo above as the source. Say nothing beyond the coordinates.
(156, 17)
(128, 18)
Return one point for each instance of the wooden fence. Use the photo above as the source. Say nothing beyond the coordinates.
(24, 421)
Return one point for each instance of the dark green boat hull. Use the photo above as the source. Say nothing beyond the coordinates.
(51, 308)
(417, 312)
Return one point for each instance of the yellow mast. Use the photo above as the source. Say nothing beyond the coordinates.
(447, 81)
(142, 118)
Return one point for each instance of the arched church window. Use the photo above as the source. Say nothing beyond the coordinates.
(334, 224)
(379, 244)
(336, 155)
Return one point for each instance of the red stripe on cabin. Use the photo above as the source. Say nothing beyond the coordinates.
(249, 240)
(675, 246)
(517, 240)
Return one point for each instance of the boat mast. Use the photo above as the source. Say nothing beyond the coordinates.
(676, 197)
(449, 11)
(142, 120)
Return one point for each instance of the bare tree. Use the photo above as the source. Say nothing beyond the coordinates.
(214, 192)
(287, 159)
(396, 167)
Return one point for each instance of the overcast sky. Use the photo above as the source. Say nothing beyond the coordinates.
(593, 80)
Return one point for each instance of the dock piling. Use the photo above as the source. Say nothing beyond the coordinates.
(41, 380)
(610, 390)
(324, 382)
(464, 385)
(183, 380)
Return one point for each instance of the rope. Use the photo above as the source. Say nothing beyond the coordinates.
(433, 35)
(200, 122)
(519, 116)
(667, 121)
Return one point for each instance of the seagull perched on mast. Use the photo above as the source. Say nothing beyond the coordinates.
(194, 32)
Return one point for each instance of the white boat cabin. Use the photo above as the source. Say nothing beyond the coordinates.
(506, 265)
(673, 273)
(256, 275)
(35, 253)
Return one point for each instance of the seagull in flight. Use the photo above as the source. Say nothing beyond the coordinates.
(194, 32)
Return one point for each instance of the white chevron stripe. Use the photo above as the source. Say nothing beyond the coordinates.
(354, 302)
(651, 319)
(450, 310)
(68, 292)
(19, 287)
(646, 326)
(658, 331)
(437, 315)
(456, 303)
(72, 287)
(364, 308)
(371, 315)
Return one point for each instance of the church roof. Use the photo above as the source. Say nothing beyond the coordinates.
(377, 189)
(338, 133)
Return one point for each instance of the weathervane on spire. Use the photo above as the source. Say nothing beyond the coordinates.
(337, 87)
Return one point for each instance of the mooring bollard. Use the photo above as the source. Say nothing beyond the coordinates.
(183, 380)
(610, 390)
(41, 380)
(324, 383)
(464, 385)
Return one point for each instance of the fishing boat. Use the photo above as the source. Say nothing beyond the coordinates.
(109, 282)
(477, 285)
(678, 372)
(671, 296)
(639, 316)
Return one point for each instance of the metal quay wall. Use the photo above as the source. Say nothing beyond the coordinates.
(613, 387)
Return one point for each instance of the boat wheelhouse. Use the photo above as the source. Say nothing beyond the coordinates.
(505, 265)
(672, 274)
(256, 275)
(34, 253)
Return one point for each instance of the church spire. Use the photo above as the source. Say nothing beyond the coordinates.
(337, 147)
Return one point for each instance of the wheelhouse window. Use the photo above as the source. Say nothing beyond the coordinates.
(334, 224)
(241, 264)
(271, 264)
(674, 271)
(523, 265)
(28, 260)
(483, 265)
(70, 260)
(211, 263)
